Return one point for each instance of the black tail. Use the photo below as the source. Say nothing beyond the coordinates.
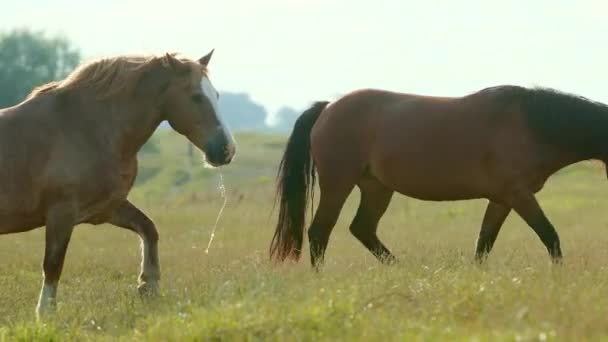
(296, 180)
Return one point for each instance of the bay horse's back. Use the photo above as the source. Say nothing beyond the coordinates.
(430, 148)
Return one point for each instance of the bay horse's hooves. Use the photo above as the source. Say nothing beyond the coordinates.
(317, 268)
(480, 259)
(389, 260)
(45, 312)
(148, 291)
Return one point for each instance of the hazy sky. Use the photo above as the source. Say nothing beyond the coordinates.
(292, 52)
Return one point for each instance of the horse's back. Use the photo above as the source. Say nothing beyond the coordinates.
(436, 148)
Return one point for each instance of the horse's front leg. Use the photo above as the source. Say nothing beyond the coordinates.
(59, 226)
(129, 217)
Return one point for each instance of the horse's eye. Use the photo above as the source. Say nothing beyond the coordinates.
(198, 98)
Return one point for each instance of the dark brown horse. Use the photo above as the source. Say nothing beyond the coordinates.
(501, 143)
(68, 153)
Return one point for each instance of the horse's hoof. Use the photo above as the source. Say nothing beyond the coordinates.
(390, 260)
(387, 259)
(480, 260)
(45, 310)
(148, 290)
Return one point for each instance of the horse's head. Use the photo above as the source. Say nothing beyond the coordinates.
(190, 104)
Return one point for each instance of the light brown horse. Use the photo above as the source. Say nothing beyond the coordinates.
(500, 143)
(68, 153)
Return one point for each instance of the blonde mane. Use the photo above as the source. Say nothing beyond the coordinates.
(107, 77)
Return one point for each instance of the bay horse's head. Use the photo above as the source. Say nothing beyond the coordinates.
(190, 105)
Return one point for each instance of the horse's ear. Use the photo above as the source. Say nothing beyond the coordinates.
(204, 61)
(175, 64)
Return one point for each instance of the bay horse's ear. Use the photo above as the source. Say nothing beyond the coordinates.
(175, 64)
(204, 61)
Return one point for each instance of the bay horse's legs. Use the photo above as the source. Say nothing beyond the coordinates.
(129, 217)
(493, 220)
(375, 198)
(330, 204)
(526, 205)
(59, 227)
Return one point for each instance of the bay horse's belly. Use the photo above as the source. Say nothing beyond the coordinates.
(438, 190)
(433, 161)
(432, 182)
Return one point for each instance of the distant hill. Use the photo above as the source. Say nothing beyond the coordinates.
(284, 120)
(242, 113)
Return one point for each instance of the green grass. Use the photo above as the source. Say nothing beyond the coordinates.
(234, 293)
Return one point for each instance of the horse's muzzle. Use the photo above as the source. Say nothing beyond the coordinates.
(220, 149)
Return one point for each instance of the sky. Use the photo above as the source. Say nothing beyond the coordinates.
(294, 52)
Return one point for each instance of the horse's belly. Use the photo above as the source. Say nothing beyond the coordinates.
(18, 201)
(433, 179)
(20, 223)
(444, 191)
(20, 209)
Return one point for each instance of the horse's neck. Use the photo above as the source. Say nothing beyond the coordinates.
(128, 125)
(137, 129)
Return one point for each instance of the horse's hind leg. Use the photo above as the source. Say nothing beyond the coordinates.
(129, 217)
(493, 219)
(331, 202)
(375, 198)
(59, 227)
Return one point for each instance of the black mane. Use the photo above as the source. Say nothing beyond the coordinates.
(570, 121)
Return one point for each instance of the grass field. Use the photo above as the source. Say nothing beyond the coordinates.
(436, 292)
